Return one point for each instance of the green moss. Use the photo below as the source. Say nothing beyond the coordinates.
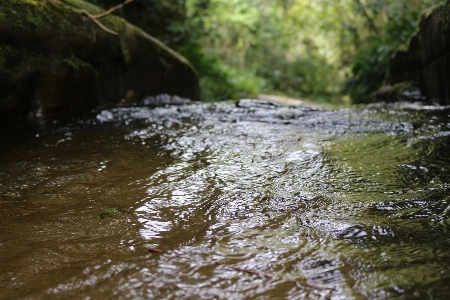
(73, 3)
(126, 53)
(403, 47)
(5, 53)
(75, 63)
(445, 15)
(113, 22)
(400, 88)
(427, 13)
(33, 15)
(15, 60)
(90, 8)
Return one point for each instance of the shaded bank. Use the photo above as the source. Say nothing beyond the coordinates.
(424, 64)
(54, 58)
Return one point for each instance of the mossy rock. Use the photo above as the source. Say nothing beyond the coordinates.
(426, 59)
(403, 91)
(55, 59)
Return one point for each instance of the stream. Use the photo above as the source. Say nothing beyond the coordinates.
(225, 201)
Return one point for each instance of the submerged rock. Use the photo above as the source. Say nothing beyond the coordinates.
(425, 62)
(55, 58)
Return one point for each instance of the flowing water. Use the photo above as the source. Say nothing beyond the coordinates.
(255, 201)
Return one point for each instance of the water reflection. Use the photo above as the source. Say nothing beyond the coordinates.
(293, 202)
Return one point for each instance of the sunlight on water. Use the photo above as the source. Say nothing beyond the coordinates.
(262, 202)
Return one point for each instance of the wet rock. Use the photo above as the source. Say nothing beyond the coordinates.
(55, 59)
(425, 62)
(401, 91)
(255, 103)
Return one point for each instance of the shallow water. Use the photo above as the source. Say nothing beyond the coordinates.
(250, 202)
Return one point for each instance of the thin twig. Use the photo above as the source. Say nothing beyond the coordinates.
(98, 22)
(111, 10)
(155, 250)
(93, 18)
(312, 286)
(245, 270)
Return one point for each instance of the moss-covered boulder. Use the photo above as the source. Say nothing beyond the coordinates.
(425, 62)
(55, 58)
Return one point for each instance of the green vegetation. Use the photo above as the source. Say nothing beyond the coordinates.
(322, 49)
(392, 24)
(75, 63)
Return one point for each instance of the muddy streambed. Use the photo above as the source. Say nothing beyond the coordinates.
(250, 202)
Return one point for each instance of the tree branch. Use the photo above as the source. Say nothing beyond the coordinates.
(113, 9)
(95, 17)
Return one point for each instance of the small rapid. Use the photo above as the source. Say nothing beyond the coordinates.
(225, 201)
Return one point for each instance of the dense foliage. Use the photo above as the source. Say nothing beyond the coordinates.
(388, 24)
(318, 49)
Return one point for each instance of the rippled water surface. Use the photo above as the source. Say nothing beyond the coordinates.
(234, 202)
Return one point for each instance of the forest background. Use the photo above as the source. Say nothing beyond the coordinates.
(319, 50)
